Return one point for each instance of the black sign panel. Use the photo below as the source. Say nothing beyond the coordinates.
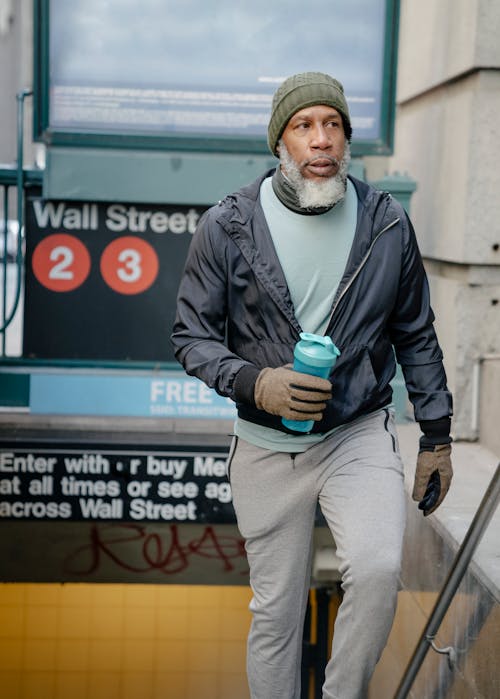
(140, 552)
(178, 484)
(102, 278)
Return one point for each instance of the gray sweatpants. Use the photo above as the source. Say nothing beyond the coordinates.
(357, 476)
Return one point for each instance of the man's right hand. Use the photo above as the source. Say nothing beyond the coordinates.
(291, 395)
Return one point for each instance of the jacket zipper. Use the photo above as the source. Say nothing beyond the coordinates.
(360, 267)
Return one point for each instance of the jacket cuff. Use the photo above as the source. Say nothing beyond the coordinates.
(244, 384)
(435, 432)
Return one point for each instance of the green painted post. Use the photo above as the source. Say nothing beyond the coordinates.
(400, 186)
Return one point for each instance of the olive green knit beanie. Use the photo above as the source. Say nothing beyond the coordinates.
(305, 90)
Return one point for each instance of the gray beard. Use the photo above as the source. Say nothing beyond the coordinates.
(310, 193)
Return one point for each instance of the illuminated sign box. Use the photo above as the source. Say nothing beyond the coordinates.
(201, 76)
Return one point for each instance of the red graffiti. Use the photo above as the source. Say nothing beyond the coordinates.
(132, 548)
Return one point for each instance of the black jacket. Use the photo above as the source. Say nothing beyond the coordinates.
(235, 315)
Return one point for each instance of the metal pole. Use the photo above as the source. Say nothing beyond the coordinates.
(19, 183)
(476, 530)
(5, 262)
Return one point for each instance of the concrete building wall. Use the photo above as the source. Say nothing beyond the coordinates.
(448, 139)
(9, 43)
(16, 51)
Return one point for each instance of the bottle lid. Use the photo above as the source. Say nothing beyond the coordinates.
(316, 350)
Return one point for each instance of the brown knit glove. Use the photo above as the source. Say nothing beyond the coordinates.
(291, 394)
(432, 477)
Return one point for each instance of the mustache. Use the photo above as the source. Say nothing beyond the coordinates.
(330, 158)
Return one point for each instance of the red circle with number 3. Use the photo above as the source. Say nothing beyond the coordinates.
(129, 265)
(61, 262)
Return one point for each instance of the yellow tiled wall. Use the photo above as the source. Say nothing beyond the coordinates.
(109, 641)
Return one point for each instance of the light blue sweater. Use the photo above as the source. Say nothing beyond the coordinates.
(313, 252)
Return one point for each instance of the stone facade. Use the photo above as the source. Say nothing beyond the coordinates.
(448, 139)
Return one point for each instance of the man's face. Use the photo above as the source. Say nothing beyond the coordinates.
(314, 137)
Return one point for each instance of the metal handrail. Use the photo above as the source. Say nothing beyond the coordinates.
(474, 534)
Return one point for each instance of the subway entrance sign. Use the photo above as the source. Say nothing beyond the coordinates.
(102, 277)
(76, 482)
(140, 137)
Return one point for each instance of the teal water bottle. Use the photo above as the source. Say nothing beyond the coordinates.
(315, 355)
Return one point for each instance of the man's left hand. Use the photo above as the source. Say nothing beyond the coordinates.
(432, 477)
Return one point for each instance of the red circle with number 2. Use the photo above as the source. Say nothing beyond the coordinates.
(129, 265)
(61, 262)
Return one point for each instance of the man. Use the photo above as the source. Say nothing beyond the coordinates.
(307, 248)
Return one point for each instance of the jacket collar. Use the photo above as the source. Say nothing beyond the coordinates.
(240, 205)
(255, 242)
